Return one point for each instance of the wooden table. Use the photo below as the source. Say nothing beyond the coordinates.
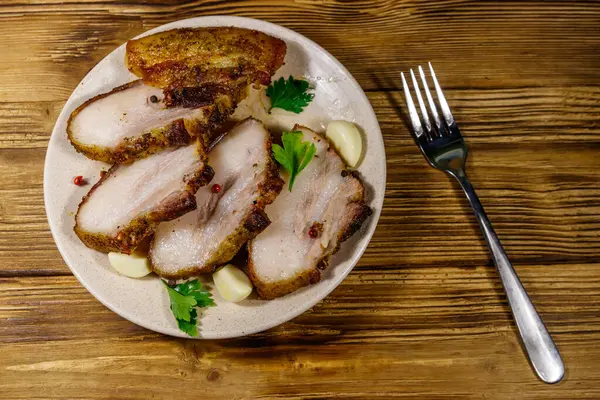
(423, 314)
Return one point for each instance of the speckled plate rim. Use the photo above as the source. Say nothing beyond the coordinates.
(334, 281)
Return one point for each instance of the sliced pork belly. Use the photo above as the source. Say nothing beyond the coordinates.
(193, 56)
(127, 204)
(211, 235)
(135, 120)
(326, 200)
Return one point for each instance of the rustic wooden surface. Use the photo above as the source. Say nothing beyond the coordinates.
(423, 314)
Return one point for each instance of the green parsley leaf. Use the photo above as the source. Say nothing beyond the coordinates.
(196, 290)
(309, 153)
(185, 297)
(189, 327)
(295, 154)
(186, 288)
(180, 304)
(203, 299)
(289, 95)
(282, 157)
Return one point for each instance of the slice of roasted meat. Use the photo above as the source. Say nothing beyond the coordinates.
(230, 211)
(135, 120)
(194, 56)
(325, 207)
(129, 201)
(192, 82)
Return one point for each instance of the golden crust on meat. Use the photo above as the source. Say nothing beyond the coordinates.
(194, 56)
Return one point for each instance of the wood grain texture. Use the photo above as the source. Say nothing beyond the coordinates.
(423, 314)
(405, 331)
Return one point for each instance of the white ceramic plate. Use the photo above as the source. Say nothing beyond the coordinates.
(144, 301)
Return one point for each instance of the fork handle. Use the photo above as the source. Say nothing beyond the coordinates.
(541, 350)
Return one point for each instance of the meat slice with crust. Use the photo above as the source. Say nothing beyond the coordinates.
(229, 214)
(135, 120)
(325, 207)
(129, 201)
(194, 56)
(192, 81)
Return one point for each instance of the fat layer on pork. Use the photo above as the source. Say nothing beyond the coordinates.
(325, 207)
(129, 201)
(227, 217)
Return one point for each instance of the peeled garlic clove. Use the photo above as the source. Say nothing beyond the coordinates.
(233, 285)
(133, 265)
(346, 139)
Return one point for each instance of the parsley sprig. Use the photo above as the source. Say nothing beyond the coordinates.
(185, 298)
(295, 154)
(290, 94)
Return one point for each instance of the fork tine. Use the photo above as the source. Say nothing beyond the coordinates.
(412, 111)
(443, 103)
(432, 106)
(421, 103)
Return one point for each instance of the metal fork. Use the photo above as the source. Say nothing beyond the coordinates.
(444, 148)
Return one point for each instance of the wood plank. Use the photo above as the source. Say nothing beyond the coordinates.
(489, 116)
(508, 44)
(393, 303)
(167, 368)
(411, 332)
(425, 220)
(26, 244)
(560, 114)
(26, 125)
